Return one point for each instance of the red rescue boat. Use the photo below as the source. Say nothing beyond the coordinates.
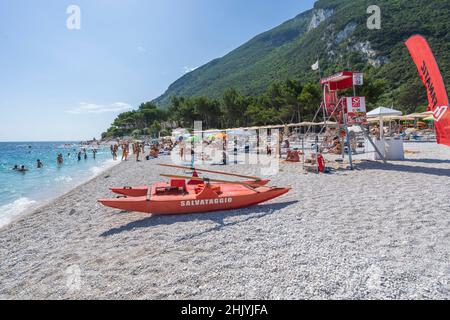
(177, 198)
(140, 191)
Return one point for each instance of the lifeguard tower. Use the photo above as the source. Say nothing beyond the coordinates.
(346, 111)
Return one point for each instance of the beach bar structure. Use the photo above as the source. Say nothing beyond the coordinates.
(390, 148)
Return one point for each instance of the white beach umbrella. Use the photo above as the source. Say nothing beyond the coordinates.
(382, 112)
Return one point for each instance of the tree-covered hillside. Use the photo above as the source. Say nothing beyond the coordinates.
(336, 32)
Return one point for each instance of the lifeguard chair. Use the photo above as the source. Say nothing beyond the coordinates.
(346, 111)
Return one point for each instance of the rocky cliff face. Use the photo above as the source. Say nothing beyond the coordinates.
(319, 16)
(336, 32)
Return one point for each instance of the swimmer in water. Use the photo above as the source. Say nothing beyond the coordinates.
(59, 159)
(16, 167)
(39, 164)
(22, 169)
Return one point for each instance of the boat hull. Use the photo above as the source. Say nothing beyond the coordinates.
(141, 191)
(206, 201)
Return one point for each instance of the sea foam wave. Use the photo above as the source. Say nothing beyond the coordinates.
(11, 211)
(63, 179)
(104, 166)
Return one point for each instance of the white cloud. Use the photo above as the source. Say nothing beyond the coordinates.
(85, 107)
(141, 49)
(189, 69)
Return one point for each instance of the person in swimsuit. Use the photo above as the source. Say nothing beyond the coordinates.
(59, 159)
(22, 169)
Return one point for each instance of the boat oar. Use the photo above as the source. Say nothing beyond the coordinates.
(248, 186)
(211, 171)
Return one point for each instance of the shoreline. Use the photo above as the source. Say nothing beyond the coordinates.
(41, 204)
(377, 232)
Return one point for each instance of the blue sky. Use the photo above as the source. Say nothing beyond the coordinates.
(61, 84)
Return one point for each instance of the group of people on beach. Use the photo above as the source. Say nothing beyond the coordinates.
(138, 148)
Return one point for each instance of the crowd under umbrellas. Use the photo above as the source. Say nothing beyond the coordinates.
(304, 142)
(296, 142)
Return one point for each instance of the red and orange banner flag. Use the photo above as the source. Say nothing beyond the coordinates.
(432, 79)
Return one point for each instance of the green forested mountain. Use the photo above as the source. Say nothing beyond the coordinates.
(269, 80)
(336, 32)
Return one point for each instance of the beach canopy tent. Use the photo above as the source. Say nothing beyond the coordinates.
(381, 113)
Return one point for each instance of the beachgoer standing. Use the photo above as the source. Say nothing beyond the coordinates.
(115, 149)
(235, 150)
(122, 146)
(39, 164)
(182, 150)
(79, 156)
(136, 151)
(125, 151)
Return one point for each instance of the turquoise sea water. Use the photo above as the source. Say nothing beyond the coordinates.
(20, 191)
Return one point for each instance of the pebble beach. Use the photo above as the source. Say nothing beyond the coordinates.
(381, 231)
